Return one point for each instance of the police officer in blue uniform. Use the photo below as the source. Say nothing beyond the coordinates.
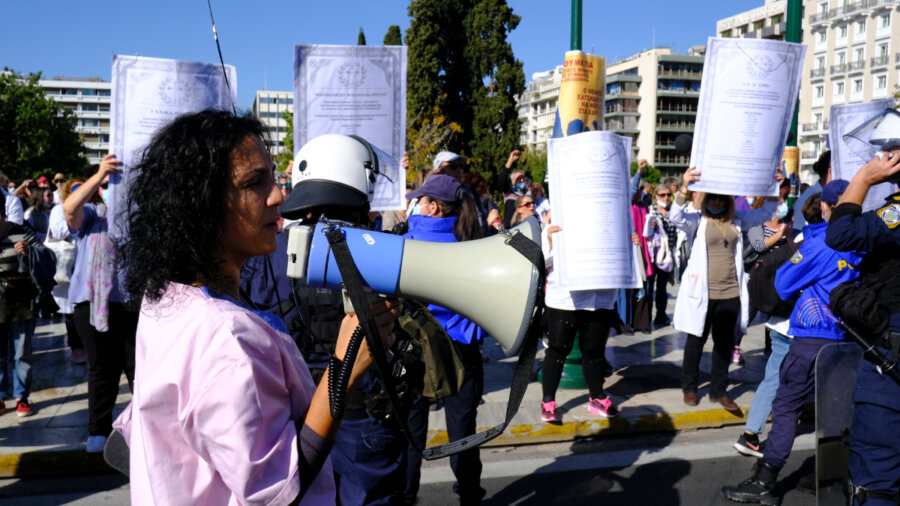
(875, 433)
(814, 269)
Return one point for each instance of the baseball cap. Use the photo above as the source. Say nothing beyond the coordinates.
(41, 180)
(446, 156)
(832, 191)
(437, 186)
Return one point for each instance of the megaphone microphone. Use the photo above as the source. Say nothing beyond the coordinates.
(486, 280)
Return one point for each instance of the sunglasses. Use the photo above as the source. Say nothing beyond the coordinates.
(661, 194)
(284, 185)
(718, 197)
(527, 204)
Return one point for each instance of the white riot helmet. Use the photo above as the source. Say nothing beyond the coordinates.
(331, 170)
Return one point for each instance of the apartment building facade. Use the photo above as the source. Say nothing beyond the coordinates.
(89, 100)
(853, 55)
(267, 107)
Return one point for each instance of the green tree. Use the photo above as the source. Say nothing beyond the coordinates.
(37, 135)
(282, 159)
(533, 163)
(650, 173)
(361, 38)
(497, 80)
(462, 70)
(393, 37)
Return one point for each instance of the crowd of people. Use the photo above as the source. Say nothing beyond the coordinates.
(231, 365)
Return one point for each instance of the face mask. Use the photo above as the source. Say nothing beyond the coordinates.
(521, 186)
(48, 205)
(782, 210)
(105, 197)
(715, 213)
(751, 200)
(663, 203)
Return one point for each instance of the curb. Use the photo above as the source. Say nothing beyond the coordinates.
(79, 462)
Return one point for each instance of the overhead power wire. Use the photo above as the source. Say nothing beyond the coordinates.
(219, 47)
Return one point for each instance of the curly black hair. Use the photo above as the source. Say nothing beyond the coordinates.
(175, 202)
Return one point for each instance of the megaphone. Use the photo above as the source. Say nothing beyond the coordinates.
(485, 280)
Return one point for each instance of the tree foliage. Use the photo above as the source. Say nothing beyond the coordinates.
(37, 137)
(462, 72)
(361, 38)
(393, 36)
(650, 173)
(282, 159)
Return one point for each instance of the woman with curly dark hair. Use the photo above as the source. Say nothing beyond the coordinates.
(224, 408)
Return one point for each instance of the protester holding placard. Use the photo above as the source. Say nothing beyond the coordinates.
(222, 393)
(713, 295)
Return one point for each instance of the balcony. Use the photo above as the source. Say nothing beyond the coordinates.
(680, 74)
(92, 130)
(840, 68)
(856, 67)
(821, 126)
(677, 93)
(818, 73)
(879, 62)
(670, 160)
(675, 126)
(622, 111)
(809, 155)
(84, 99)
(818, 18)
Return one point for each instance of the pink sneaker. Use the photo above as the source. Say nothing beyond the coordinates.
(602, 407)
(736, 357)
(548, 412)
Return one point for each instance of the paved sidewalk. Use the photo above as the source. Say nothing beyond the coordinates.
(645, 387)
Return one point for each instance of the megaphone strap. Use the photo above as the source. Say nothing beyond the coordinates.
(353, 284)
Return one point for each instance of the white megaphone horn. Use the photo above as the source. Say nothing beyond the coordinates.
(485, 280)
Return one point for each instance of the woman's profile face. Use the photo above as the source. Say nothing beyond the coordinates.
(251, 203)
(526, 208)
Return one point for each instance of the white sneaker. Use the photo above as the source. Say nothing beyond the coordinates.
(95, 444)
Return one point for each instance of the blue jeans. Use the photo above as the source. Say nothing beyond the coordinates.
(761, 406)
(15, 336)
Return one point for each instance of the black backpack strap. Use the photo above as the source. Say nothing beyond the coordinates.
(353, 284)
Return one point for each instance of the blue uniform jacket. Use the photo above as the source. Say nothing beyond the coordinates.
(852, 229)
(815, 269)
(427, 228)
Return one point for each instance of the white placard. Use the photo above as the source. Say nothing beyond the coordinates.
(354, 90)
(847, 157)
(591, 195)
(147, 93)
(747, 99)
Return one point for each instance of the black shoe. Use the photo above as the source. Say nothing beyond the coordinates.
(759, 488)
(749, 444)
(662, 322)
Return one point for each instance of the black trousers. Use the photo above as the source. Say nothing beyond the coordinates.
(108, 354)
(656, 290)
(721, 318)
(460, 411)
(563, 326)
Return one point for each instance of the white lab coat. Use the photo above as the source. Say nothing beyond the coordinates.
(693, 294)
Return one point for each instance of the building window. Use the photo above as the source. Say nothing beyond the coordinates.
(71, 92)
(89, 92)
(104, 93)
(880, 82)
(726, 34)
(842, 32)
(861, 26)
(89, 107)
(820, 62)
(758, 25)
(886, 21)
(778, 18)
(839, 90)
(821, 38)
(90, 122)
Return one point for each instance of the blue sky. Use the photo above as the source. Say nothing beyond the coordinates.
(76, 38)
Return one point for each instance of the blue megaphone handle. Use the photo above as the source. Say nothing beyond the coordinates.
(377, 255)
